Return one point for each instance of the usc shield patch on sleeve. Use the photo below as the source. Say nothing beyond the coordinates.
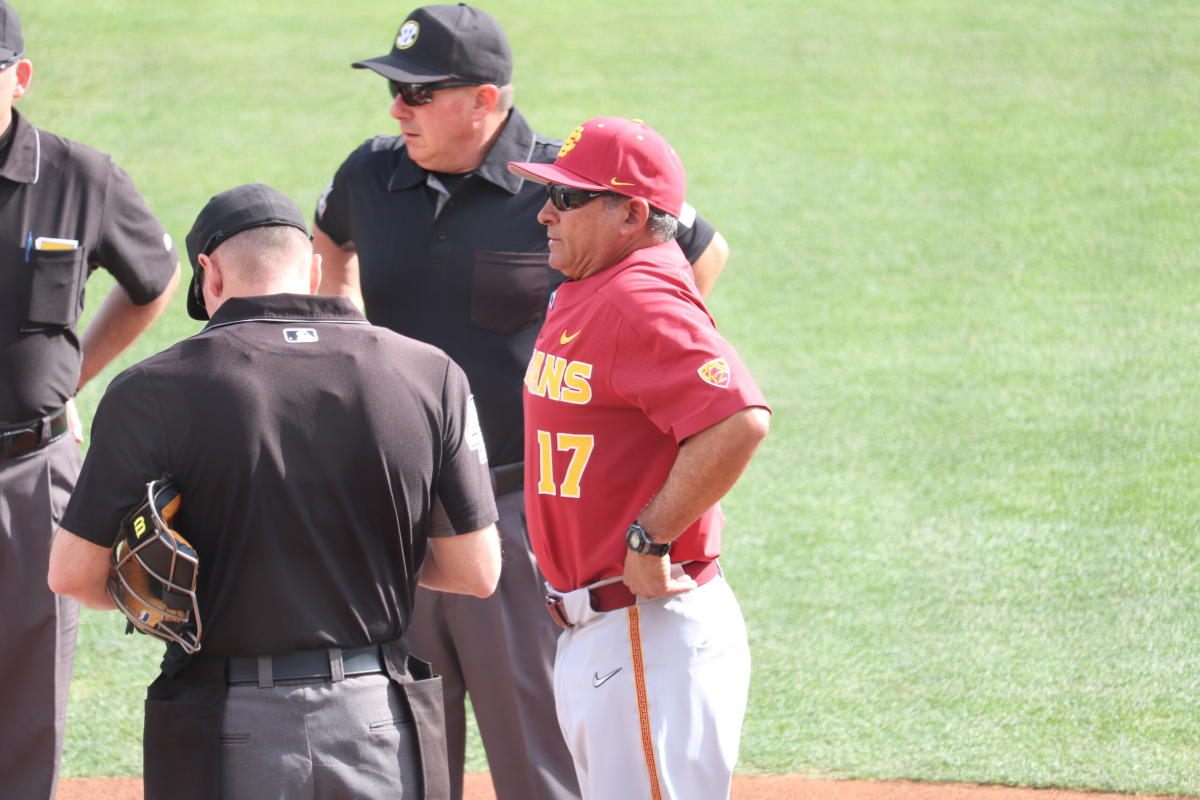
(715, 373)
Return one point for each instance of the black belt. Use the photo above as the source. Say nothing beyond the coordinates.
(508, 477)
(19, 440)
(332, 663)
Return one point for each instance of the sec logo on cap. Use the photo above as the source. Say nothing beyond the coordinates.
(407, 36)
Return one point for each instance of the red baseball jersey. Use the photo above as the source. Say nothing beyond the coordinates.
(628, 364)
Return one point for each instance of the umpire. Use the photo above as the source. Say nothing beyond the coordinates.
(65, 210)
(307, 446)
(442, 243)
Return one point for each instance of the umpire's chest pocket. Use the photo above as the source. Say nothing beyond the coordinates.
(509, 290)
(55, 296)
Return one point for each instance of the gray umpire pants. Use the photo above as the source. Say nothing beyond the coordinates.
(320, 740)
(500, 650)
(37, 628)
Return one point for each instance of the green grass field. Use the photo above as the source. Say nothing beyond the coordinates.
(963, 235)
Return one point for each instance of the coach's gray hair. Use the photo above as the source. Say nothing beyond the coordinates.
(662, 226)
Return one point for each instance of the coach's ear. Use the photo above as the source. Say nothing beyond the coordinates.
(314, 280)
(637, 213)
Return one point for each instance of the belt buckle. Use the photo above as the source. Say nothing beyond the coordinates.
(558, 612)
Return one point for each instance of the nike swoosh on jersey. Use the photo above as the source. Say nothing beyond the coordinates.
(565, 339)
(616, 182)
(598, 681)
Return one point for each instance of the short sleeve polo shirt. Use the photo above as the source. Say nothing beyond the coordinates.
(467, 270)
(65, 209)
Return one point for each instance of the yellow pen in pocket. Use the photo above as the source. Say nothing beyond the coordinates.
(50, 243)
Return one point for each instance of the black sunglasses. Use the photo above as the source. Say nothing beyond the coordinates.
(566, 198)
(420, 94)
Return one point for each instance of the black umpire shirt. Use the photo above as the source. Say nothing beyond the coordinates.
(307, 445)
(460, 262)
(65, 209)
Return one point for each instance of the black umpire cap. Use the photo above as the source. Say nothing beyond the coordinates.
(11, 43)
(437, 43)
(251, 205)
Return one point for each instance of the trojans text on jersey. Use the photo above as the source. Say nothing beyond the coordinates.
(559, 379)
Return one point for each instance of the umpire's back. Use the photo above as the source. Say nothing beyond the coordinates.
(308, 445)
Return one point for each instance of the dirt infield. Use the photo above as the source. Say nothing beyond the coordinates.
(745, 787)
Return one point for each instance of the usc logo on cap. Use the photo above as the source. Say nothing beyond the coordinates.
(407, 35)
(571, 141)
(715, 373)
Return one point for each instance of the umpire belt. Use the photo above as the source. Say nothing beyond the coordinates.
(332, 664)
(17, 440)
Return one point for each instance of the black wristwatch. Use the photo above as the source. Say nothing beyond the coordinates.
(640, 542)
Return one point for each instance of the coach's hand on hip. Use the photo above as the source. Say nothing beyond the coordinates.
(650, 576)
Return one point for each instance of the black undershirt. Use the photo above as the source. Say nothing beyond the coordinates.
(452, 180)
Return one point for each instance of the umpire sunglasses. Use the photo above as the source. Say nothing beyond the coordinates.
(421, 94)
(567, 198)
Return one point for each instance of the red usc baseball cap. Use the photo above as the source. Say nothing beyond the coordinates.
(612, 154)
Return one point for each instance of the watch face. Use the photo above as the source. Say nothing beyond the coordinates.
(636, 540)
(641, 543)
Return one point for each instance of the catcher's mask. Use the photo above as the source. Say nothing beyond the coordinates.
(153, 576)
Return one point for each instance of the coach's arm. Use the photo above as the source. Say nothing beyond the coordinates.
(708, 465)
(79, 569)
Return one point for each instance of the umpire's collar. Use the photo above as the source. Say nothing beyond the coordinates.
(21, 161)
(515, 143)
(282, 307)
